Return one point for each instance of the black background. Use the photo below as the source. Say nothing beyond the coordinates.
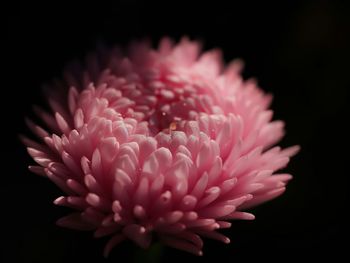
(298, 50)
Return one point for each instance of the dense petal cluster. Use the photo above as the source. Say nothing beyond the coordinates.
(163, 144)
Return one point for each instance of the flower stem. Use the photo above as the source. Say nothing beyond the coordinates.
(150, 255)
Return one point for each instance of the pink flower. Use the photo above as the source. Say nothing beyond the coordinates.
(163, 143)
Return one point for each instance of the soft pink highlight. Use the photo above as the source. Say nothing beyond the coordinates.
(165, 142)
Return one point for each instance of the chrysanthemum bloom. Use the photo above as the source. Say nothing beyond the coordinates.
(166, 144)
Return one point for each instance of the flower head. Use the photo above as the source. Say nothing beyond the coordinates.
(164, 143)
